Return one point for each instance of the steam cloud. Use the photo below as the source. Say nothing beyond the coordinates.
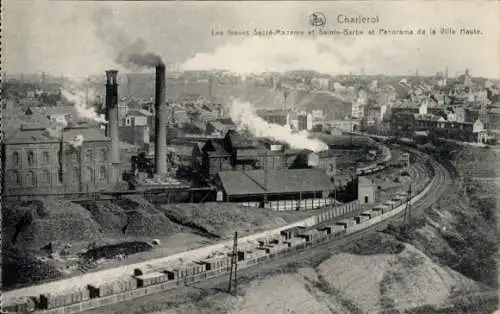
(243, 114)
(130, 54)
(56, 129)
(76, 142)
(282, 54)
(79, 99)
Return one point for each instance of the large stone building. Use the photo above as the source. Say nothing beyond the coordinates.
(75, 159)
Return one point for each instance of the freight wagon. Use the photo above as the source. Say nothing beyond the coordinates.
(291, 232)
(150, 279)
(346, 223)
(369, 213)
(361, 218)
(20, 305)
(334, 230)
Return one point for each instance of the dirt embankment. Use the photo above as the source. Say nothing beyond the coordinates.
(221, 220)
(460, 230)
(49, 238)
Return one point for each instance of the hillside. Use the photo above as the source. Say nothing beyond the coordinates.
(222, 220)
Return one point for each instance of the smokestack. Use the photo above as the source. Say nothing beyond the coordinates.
(160, 122)
(112, 115)
(210, 88)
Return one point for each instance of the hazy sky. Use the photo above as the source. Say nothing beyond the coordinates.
(61, 37)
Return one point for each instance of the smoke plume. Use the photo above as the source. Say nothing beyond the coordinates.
(56, 128)
(75, 142)
(243, 114)
(131, 54)
(80, 101)
(56, 131)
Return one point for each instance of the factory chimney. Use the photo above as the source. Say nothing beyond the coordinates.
(210, 89)
(160, 122)
(112, 117)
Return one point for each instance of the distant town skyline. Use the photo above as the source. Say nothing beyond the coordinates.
(59, 38)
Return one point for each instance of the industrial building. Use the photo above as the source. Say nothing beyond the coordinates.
(134, 127)
(39, 161)
(261, 186)
(366, 191)
(74, 158)
(238, 152)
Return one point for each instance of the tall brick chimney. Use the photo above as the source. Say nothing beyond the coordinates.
(112, 118)
(160, 122)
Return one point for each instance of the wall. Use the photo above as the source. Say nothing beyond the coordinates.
(81, 168)
(366, 194)
(45, 159)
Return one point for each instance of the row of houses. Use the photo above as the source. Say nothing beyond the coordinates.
(407, 123)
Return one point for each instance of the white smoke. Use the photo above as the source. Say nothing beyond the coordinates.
(243, 114)
(80, 99)
(57, 127)
(76, 142)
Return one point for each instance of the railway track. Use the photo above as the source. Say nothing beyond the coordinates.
(311, 254)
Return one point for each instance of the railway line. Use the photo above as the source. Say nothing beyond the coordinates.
(309, 254)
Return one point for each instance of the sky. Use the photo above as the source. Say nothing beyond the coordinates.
(84, 38)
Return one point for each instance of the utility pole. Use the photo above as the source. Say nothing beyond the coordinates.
(234, 265)
(407, 216)
(265, 177)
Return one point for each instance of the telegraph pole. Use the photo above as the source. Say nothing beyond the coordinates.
(407, 215)
(234, 265)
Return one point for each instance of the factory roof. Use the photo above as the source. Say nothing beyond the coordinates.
(31, 133)
(221, 126)
(214, 147)
(278, 181)
(345, 140)
(56, 110)
(239, 141)
(139, 112)
(39, 133)
(182, 149)
(89, 134)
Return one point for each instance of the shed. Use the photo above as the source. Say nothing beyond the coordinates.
(280, 183)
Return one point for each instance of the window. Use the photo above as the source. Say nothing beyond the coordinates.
(46, 158)
(31, 158)
(88, 155)
(30, 178)
(330, 168)
(14, 177)
(89, 174)
(104, 154)
(366, 199)
(45, 177)
(74, 157)
(75, 175)
(102, 173)
(15, 158)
